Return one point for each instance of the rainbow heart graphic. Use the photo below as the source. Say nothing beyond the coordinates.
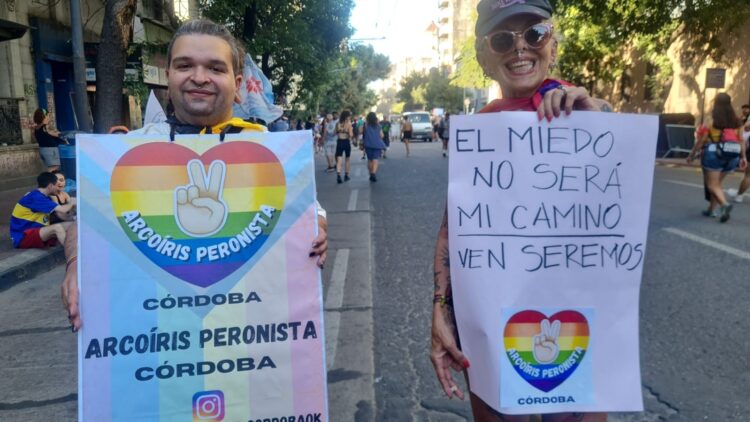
(544, 350)
(198, 217)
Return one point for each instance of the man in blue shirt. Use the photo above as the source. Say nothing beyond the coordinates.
(29, 222)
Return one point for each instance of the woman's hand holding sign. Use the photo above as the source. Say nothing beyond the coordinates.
(199, 209)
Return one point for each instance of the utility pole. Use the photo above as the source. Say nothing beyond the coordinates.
(79, 68)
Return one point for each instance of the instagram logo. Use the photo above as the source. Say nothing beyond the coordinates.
(208, 406)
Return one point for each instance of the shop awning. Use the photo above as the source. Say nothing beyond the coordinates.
(10, 30)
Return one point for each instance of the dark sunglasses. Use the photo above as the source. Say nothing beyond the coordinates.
(536, 36)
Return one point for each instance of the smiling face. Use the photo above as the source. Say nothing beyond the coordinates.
(60, 181)
(521, 70)
(202, 83)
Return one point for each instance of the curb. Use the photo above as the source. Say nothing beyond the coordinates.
(28, 264)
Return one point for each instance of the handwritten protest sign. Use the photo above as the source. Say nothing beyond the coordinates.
(198, 296)
(548, 225)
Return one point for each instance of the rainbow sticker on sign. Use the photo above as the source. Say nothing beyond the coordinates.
(198, 217)
(544, 350)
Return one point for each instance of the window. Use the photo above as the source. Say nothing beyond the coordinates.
(419, 118)
(10, 122)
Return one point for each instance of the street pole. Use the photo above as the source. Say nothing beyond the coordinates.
(79, 68)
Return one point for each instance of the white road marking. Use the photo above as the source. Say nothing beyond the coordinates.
(679, 182)
(334, 299)
(353, 195)
(707, 242)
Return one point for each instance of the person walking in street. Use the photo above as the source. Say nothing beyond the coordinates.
(435, 123)
(385, 126)
(204, 76)
(722, 152)
(318, 133)
(745, 183)
(359, 131)
(48, 140)
(372, 139)
(344, 136)
(406, 132)
(329, 139)
(516, 48)
(444, 131)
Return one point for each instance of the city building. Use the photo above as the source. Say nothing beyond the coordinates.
(36, 69)
(455, 25)
(688, 91)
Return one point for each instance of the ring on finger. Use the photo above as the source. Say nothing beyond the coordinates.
(454, 389)
(563, 89)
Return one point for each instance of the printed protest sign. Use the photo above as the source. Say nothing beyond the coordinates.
(548, 225)
(198, 296)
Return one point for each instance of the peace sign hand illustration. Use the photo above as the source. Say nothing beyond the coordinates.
(545, 343)
(199, 208)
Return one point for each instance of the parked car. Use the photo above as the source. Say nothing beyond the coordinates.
(421, 124)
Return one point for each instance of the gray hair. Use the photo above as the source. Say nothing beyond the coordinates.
(209, 27)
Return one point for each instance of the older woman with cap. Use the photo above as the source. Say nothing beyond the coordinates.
(516, 47)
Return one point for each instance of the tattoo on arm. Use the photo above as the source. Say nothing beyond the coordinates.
(446, 257)
(441, 274)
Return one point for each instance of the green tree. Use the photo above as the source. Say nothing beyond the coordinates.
(110, 63)
(293, 41)
(412, 91)
(468, 72)
(439, 92)
(347, 84)
(598, 33)
(428, 91)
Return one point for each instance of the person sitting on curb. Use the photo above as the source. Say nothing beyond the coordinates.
(30, 221)
(61, 197)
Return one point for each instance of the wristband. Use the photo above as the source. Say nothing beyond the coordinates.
(70, 261)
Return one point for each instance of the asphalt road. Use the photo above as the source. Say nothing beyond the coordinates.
(694, 306)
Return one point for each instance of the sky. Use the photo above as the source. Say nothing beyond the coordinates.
(381, 18)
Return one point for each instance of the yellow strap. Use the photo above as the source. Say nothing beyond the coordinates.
(236, 122)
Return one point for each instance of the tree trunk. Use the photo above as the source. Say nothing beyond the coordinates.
(110, 63)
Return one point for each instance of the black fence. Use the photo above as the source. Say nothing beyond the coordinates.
(10, 122)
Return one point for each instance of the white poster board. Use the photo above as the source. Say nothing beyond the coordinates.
(548, 225)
